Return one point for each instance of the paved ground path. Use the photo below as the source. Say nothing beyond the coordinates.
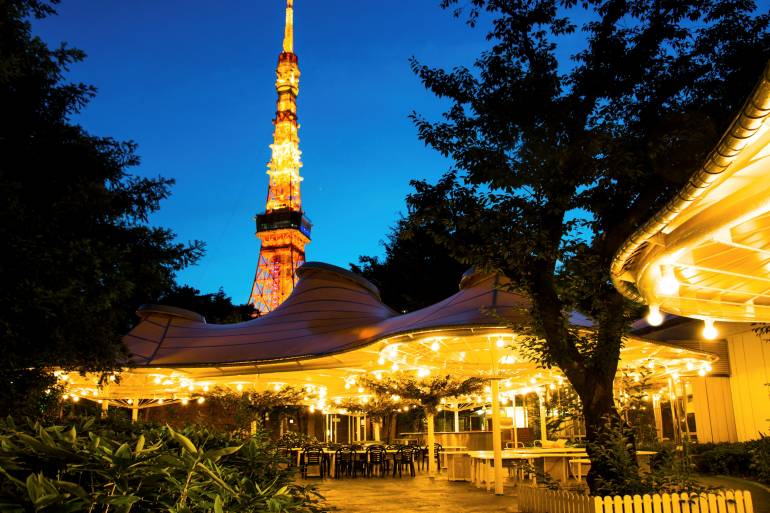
(760, 496)
(408, 495)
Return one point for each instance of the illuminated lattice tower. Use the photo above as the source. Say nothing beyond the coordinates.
(283, 228)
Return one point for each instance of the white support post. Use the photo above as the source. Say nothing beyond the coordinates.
(497, 441)
(457, 418)
(431, 446)
(515, 424)
(135, 411)
(543, 421)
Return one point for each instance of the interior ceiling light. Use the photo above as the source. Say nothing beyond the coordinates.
(668, 285)
(654, 317)
(709, 330)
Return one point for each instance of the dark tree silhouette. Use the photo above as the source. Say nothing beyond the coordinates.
(78, 255)
(558, 158)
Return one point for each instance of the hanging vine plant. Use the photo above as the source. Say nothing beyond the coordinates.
(428, 392)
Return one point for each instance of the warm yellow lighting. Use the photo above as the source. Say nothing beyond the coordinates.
(75, 398)
(500, 342)
(130, 401)
(435, 346)
(205, 388)
(65, 396)
(394, 367)
(381, 361)
(239, 387)
(161, 401)
(701, 372)
(185, 401)
(312, 409)
(112, 377)
(654, 317)
(668, 285)
(157, 380)
(690, 366)
(709, 330)
(201, 400)
(423, 372)
(360, 390)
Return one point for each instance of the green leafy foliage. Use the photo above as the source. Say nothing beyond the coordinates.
(82, 467)
(743, 459)
(78, 253)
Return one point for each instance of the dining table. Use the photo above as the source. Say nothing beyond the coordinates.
(555, 462)
(482, 462)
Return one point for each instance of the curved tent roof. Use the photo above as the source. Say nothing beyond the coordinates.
(330, 311)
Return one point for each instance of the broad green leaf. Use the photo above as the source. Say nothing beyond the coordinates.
(186, 443)
(218, 505)
(139, 445)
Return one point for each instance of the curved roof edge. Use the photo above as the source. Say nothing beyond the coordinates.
(753, 113)
(309, 267)
(172, 311)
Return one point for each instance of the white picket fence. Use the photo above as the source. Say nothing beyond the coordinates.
(539, 500)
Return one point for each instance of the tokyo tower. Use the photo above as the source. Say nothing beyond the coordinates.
(283, 228)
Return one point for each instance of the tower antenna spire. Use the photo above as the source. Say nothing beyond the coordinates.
(283, 228)
(288, 34)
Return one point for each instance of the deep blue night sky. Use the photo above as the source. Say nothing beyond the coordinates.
(192, 83)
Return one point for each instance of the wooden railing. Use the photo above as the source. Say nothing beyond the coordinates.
(539, 500)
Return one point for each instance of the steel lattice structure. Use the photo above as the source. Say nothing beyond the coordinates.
(283, 228)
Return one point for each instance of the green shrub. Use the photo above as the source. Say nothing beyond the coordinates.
(732, 459)
(85, 466)
(760, 459)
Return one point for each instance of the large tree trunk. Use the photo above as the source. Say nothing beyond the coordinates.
(611, 443)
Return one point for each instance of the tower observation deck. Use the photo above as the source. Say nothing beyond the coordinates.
(283, 228)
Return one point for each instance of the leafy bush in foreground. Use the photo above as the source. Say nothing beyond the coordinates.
(87, 467)
(744, 459)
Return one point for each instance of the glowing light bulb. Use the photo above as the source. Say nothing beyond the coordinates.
(381, 361)
(185, 401)
(160, 401)
(500, 342)
(157, 380)
(434, 346)
(709, 330)
(75, 398)
(239, 387)
(394, 367)
(690, 366)
(201, 400)
(701, 372)
(654, 317)
(360, 390)
(668, 284)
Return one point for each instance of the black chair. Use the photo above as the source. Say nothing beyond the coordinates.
(376, 457)
(312, 457)
(437, 448)
(344, 462)
(420, 455)
(403, 458)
